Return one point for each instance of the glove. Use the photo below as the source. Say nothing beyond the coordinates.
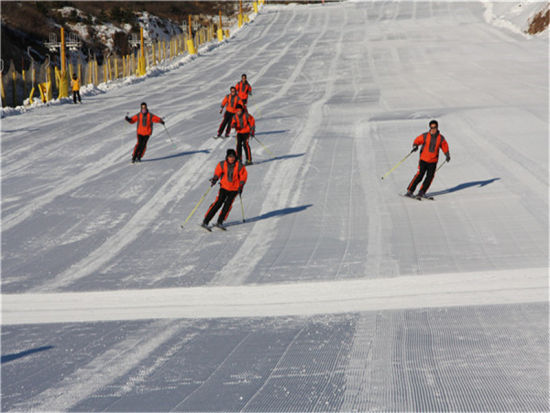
(221, 110)
(127, 119)
(213, 181)
(162, 121)
(448, 157)
(415, 148)
(240, 191)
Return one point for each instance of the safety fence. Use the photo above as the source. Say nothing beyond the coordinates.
(46, 81)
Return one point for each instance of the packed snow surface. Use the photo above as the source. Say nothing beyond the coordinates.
(335, 293)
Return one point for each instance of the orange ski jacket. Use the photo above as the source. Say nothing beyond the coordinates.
(145, 122)
(430, 146)
(243, 89)
(245, 123)
(231, 102)
(231, 177)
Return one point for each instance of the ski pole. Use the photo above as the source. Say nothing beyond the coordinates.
(196, 206)
(166, 129)
(242, 207)
(441, 166)
(398, 163)
(265, 147)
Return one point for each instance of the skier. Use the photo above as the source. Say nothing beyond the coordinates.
(232, 175)
(243, 89)
(75, 86)
(245, 125)
(145, 121)
(431, 142)
(230, 102)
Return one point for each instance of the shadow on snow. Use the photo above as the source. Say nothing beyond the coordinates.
(272, 132)
(464, 186)
(267, 215)
(278, 158)
(176, 155)
(10, 357)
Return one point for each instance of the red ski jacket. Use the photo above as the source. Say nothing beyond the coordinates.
(232, 102)
(231, 176)
(145, 122)
(243, 89)
(430, 146)
(245, 123)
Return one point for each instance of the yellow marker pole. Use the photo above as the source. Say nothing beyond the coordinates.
(63, 81)
(255, 6)
(2, 92)
(190, 44)
(240, 13)
(142, 66)
(23, 77)
(14, 85)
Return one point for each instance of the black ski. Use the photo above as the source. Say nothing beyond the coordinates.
(204, 226)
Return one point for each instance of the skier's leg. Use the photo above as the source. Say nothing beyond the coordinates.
(227, 206)
(144, 146)
(247, 148)
(418, 177)
(136, 148)
(215, 206)
(430, 173)
(239, 146)
(229, 120)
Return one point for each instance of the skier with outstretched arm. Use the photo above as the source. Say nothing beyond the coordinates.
(232, 176)
(431, 142)
(145, 120)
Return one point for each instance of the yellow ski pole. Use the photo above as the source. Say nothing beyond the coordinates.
(242, 207)
(398, 163)
(196, 206)
(265, 147)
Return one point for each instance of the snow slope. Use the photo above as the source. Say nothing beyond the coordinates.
(336, 294)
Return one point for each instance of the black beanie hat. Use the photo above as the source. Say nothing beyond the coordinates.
(433, 122)
(231, 152)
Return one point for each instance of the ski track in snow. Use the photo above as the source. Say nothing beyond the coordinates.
(395, 305)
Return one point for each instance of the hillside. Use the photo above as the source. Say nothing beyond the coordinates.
(99, 25)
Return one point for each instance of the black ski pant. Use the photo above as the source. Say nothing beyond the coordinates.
(424, 168)
(227, 118)
(224, 198)
(141, 145)
(76, 94)
(242, 142)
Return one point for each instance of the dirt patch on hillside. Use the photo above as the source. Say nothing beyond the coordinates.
(540, 21)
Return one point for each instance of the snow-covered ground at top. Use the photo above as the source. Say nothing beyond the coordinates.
(336, 293)
(514, 15)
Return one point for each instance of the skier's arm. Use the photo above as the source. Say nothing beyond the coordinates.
(133, 119)
(445, 149)
(156, 119)
(252, 122)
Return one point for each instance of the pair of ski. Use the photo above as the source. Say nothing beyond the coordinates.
(209, 228)
(418, 197)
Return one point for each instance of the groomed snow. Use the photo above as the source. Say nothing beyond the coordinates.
(337, 293)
